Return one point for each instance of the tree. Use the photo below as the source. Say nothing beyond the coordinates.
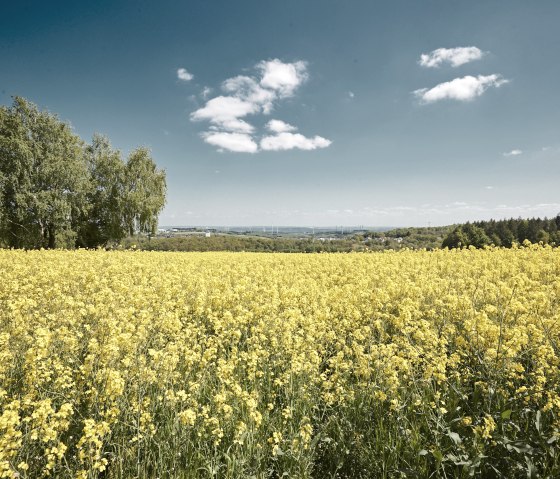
(104, 222)
(43, 178)
(495, 239)
(456, 239)
(476, 236)
(466, 235)
(542, 236)
(144, 193)
(56, 191)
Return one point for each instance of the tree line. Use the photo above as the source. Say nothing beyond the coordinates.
(223, 242)
(57, 191)
(504, 232)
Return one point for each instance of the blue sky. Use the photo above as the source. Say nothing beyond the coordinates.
(334, 115)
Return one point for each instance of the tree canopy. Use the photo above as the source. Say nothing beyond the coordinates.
(58, 191)
(504, 232)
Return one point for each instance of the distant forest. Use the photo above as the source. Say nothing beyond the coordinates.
(478, 234)
(504, 232)
(229, 242)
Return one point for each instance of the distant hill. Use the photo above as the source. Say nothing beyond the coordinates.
(321, 240)
(291, 240)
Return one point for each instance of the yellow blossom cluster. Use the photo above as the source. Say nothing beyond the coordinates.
(147, 364)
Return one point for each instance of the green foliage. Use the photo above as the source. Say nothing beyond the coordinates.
(504, 233)
(467, 235)
(241, 243)
(456, 239)
(144, 193)
(56, 191)
(104, 221)
(43, 178)
(400, 238)
(413, 238)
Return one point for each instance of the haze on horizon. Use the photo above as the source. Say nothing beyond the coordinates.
(315, 113)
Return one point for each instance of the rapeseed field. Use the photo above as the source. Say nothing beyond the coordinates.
(232, 365)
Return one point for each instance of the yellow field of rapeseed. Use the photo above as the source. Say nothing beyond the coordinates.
(394, 364)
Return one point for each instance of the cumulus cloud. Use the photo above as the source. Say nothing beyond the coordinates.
(250, 95)
(279, 126)
(237, 142)
(289, 141)
(463, 89)
(234, 125)
(249, 90)
(513, 153)
(184, 75)
(255, 94)
(282, 77)
(224, 110)
(454, 56)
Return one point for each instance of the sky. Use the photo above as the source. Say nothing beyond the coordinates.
(308, 112)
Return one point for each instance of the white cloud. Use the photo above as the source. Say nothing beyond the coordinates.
(282, 77)
(206, 92)
(289, 141)
(234, 125)
(237, 142)
(351, 94)
(279, 126)
(513, 153)
(454, 56)
(461, 211)
(183, 74)
(248, 89)
(246, 95)
(249, 95)
(463, 89)
(224, 108)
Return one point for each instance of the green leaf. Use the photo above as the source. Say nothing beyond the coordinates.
(458, 461)
(506, 414)
(520, 448)
(455, 437)
(531, 471)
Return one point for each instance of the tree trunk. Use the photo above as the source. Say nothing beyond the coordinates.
(52, 237)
